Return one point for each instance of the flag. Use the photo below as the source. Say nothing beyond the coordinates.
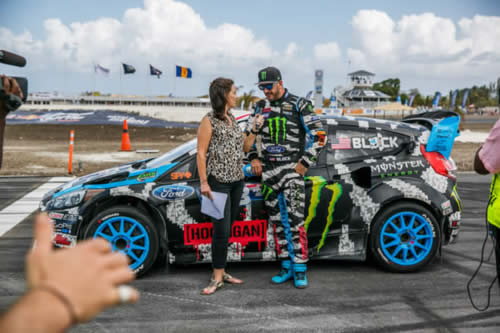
(435, 102)
(128, 69)
(398, 99)
(100, 69)
(184, 72)
(453, 99)
(464, 99)
(412, 97)
(341, 143)
(155, 71)
(309, 94)
(406, 102)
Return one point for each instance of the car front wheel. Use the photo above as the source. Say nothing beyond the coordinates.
(404, 237)
(128, 231)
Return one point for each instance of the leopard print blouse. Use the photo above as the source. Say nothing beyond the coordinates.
(225, 151)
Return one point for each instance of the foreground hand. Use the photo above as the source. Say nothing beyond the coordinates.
(256, 165)
(300, 169)
(205, 190)
(258, 122)
(88, 275)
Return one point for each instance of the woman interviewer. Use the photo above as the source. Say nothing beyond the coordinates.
(221, 139)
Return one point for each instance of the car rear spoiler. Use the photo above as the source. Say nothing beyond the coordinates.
(443, 125)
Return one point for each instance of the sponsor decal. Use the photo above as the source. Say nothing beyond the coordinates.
(280, 159)
(266, 191)
(277, 125)
(287, 107)
(57, 216)
(377, 142)
(242, 232)
(138, 268)
(318, 184)
(446, 207)
(63, 240)
(276, 149)
(398, 168)
(173, 192)
(146, 175)
(181, 175)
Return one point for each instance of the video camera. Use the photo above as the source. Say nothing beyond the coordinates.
(12, 102)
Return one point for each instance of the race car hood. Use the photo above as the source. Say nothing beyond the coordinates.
(110, 176)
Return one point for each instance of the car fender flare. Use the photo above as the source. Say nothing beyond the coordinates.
(389, 191)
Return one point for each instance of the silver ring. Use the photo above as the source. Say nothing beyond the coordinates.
(125, 293)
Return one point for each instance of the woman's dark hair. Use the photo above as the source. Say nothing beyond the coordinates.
(219, 88)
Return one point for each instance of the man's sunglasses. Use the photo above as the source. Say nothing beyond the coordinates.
(268, 86)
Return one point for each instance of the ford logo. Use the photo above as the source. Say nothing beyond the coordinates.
(173, 192)
(275, 149)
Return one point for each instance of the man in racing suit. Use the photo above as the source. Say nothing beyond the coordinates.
(290, 142)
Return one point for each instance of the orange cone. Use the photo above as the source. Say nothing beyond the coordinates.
(125, 137)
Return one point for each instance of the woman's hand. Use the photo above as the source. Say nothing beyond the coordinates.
(258, 122)
(205, 190)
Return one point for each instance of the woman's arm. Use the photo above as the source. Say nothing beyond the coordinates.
(248, 143)
(204, 136)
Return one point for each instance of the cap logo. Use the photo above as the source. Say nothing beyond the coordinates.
(263, 75)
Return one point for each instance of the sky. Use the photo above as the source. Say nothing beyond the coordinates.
(430, 45)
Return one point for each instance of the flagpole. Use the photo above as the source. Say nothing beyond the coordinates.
(120, 86)
(93, 90)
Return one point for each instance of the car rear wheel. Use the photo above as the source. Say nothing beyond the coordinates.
(130, 232)
(404, 237)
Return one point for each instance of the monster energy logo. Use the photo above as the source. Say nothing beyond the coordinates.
(266, 191)
(318, 184)
(274, 128)
(263, 75)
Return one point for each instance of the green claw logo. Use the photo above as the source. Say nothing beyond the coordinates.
(274, 128)
(263, 75)
(318, 184)
(266, 191)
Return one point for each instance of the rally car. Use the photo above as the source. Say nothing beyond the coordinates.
(374, 189)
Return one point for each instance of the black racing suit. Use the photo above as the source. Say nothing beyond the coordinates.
(291, 133)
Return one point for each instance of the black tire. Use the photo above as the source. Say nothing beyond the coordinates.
(142, 228)
(409, 249)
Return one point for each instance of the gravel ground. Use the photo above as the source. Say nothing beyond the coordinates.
(43, 149)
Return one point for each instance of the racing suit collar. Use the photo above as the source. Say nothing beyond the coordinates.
(279, 101)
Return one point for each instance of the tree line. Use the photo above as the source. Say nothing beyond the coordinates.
(480, 96)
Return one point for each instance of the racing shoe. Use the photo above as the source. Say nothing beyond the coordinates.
(299, 276)
(285, 274)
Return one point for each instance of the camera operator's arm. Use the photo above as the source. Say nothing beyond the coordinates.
(8, 86)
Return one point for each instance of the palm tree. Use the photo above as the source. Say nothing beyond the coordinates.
(246, 98)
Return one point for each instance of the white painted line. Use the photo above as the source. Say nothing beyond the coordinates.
(12, 215)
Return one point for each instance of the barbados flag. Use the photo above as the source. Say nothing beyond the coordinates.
(184, 72)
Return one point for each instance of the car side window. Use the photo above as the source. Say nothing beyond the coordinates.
(346, 144)
(185, 170)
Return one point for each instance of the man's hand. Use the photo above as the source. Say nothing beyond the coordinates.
(300, 169)
(88, 275)
(256, 165)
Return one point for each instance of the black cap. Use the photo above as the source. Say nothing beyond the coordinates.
(269, 75)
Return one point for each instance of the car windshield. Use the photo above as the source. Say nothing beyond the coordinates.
(172, 155)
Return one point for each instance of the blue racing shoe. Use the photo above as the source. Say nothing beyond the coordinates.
(299, 276)
(285, 274)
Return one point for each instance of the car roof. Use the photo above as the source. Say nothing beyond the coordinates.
(367, 123)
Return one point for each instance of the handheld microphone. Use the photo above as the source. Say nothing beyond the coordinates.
(9, 58)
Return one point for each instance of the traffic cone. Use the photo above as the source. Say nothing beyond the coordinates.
(125, 137)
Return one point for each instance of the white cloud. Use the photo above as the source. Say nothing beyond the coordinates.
(426, 44)
(327, 51)
(163, 31)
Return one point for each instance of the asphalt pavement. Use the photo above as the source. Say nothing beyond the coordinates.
(343, 296)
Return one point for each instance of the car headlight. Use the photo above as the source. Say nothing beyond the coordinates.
(67, 200)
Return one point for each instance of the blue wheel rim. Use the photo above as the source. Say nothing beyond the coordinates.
(127, 236)
(406, 238)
